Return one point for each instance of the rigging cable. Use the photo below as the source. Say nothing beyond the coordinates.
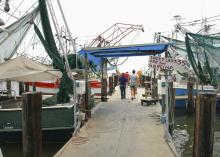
(16, 8)
(9, 14)
(199, 20)
(138, 33)
(56, 23)
(197, 23)
(94, 71)
(117, 63)
(32, 6)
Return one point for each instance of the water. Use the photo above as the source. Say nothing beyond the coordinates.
(184, 134)
(52, 142)
(15, 149)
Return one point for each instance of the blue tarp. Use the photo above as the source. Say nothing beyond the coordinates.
(96, 54)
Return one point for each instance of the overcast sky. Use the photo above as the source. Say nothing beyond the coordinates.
(88, 18)
(93, 17)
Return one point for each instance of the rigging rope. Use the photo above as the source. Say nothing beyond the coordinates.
(55, 19)
(32, 6)
(199, 20)
(16, 8)
(135, 37)
(117, 63)
(9, 14)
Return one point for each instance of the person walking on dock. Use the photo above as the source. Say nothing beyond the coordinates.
(122, 83)
(133, 81)
(127, 77)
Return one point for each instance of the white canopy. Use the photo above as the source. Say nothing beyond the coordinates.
(26, 70)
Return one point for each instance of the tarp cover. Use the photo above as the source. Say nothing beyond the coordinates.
(13, 35)
(25, 70)
(95, 54)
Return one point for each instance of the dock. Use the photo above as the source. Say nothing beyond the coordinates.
(120, 128)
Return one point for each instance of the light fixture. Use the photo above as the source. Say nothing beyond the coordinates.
(7, 8)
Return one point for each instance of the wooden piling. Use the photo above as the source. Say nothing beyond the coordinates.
(34, 86)
(88, 90)
(111, 85)
(104, 89)
(21, 88)
(190, 104)
(171, 103)
(8, 86)
(115, 80)
(163, 103)
(26, 87)
(163, 96)
(88, 101)
(204, 125)
(154, 88)
(104, 80)
(31, 123)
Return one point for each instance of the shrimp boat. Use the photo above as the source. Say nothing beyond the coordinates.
(203, 66)
(54, 117)
(58, 111)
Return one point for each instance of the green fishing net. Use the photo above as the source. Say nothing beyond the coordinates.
(203, 54)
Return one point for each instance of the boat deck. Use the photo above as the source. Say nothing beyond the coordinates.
(120, 128)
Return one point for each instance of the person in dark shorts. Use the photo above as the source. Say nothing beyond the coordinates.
(122, 83)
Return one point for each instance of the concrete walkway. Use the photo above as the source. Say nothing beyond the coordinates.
(120, 128)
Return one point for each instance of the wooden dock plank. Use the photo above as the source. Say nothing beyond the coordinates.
(119, 128)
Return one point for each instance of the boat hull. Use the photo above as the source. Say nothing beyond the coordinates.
(96, 87)
(182, 102)
(181, 96)
(181, 91)
(53, 118)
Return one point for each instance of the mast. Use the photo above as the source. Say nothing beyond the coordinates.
(59, 39)
(67, 27)
(65, 56)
